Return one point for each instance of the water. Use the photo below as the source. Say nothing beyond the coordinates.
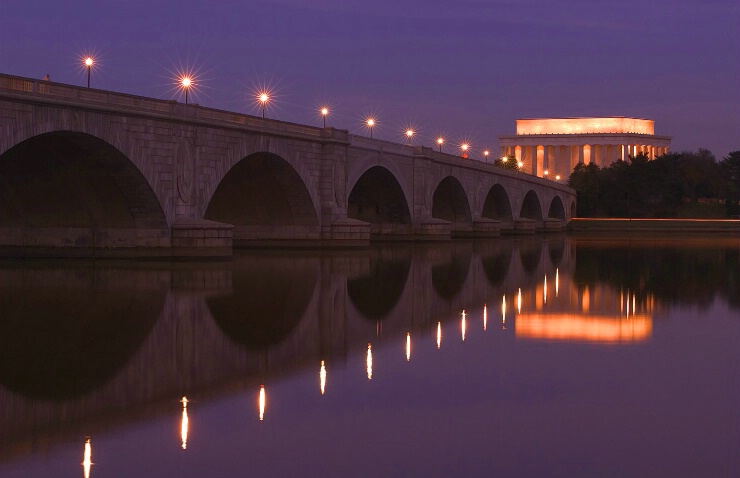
(574, 357)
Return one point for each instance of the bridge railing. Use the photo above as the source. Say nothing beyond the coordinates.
(135, 103)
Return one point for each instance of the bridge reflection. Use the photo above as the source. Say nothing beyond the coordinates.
(125, 340)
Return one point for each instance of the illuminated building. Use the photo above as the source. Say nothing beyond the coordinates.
(557, 145)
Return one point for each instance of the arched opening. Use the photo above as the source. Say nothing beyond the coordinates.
(531, 208)
(69, 329)
(265, 199)
(557, 211)
(449, 278)
(377, 198)
(376, 294)
(497, 205)
(270, 297)
(450, 203)
(72, 190)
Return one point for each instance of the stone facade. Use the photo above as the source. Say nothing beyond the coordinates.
(554, 146)
(136, 171)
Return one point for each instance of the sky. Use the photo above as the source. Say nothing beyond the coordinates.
(464, 69)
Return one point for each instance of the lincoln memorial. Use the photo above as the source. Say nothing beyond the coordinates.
(553, 146)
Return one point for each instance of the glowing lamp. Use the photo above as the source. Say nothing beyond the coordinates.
(88, 64)
(324, 113)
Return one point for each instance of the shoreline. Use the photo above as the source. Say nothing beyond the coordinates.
(624, 225)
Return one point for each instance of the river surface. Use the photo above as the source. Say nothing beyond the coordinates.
(537, 357)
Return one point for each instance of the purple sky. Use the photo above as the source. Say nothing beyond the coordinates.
(466, 68)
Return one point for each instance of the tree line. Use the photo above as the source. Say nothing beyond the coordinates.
(658, 188)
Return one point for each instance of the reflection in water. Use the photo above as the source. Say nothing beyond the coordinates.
(262, 402)
(463, 326)
(519, 301)
(149, 332)
(584, 328)
(503, 313)
(66, 331)
(377, 293)
(87, 458)
(184, 425)
(322, 377)
(268, 298)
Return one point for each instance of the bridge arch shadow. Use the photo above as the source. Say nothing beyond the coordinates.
(69, 330)
(265, 199)
(270, 298)
(450, 273)
(376, 294)
(377, 198)
(64, 188)
(450, 203)
(532, 208)
(497, 205)
(556, 211)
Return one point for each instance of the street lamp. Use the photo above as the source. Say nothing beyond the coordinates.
(186, 82)
(440, 142)
(464, 147)
(519, 164)
(504, 159)
(263, 99)
(557, 177)
(485, 154)
(324, 113)
(409, 135)
(370, 124)
(546, 173)
(88, 64)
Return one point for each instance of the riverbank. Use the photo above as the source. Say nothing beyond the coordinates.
(611, 225)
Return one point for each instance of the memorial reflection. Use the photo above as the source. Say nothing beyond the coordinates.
(152, 333)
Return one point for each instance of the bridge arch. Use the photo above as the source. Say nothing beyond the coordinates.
(497, 205)
(450, 203)
(531, 208)
(378, 198)
(68, 188)
(556, 211)
(260, 193)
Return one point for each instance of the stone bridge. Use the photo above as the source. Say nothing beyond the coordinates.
(97, 173)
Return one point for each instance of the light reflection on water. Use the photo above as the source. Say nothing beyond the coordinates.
(218, 332)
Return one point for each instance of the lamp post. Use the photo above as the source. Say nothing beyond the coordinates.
(264, 98)
(440, 142)
(485, 154)
(519, 164)
(409, 135)
(89, 63)
(464, 147)
(325, 113)
(186, 83)
(370, 124)
(546, 173)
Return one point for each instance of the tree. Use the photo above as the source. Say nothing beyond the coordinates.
(585, 180)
